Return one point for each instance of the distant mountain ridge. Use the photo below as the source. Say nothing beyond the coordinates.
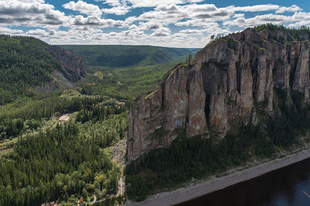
(27, 63)
(126, 56)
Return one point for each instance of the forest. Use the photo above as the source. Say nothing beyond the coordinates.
(295, 32)
(65, 161)
(120, 56)
(24, 62)
(43, 160)
(124, 83)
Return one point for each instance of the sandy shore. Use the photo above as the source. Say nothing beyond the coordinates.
(214, 184)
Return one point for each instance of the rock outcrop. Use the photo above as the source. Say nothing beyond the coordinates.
(74, 65)
(224, 85)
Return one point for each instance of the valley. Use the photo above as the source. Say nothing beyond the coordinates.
(154, 103)
(66, 139)
(158, 123)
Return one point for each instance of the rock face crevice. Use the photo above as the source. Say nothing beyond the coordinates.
(223, 85)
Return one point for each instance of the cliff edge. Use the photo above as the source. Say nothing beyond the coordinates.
(231, 81)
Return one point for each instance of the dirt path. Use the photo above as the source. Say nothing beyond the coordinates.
(121, 184)
(91, 203)
(118, 152)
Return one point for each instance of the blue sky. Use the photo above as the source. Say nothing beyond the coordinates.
(172, 23)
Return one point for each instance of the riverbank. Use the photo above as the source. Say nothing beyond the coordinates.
(217, 183)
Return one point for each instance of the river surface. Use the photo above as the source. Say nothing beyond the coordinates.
(287, 186)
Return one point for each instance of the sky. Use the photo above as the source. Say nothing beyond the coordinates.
(169, 23)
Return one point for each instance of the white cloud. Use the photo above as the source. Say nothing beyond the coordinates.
(292, 8)
(258, 20)
(255, 8)
(192, 31)
(195, 22)
(143, 3)
(30, 13)
(16, 8)
(161, 32)
(84, 8)
(299, 24)
(149, 25)
(37, 32)
(29, 1)
(4, 30)
(112, 2)
(201, 8)
(301, 16)
(146, 3)
(118, 10)
(97, 22)
(174, 14)
(194, 1)
(168, 8)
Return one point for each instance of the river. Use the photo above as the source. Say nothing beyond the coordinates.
(286, 186)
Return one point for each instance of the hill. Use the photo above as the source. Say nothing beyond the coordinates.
(243, 98)
(126, 56)
(28, 64)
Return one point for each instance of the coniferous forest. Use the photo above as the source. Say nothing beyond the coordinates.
(43, 159)
(62, 161)
(24, 62)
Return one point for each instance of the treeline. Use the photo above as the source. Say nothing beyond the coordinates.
(53, 166)
(114, 56)
(296, 33)
(99, 112)
(108, 132)
(197, 157)
(291, 122)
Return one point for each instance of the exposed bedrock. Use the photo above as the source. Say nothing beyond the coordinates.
(225, 84)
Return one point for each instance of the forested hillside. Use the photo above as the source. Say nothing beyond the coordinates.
(27, 63)
(51, 161)
(42, 158)
(126, 56)
(125, 82)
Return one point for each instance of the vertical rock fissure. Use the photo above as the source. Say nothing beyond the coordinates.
(238, 77)
(207, 109)
(254, 72)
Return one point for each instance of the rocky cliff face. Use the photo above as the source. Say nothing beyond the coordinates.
(74, 65)
(226, 84)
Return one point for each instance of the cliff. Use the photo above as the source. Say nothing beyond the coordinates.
(230, 82)
(74, 65)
